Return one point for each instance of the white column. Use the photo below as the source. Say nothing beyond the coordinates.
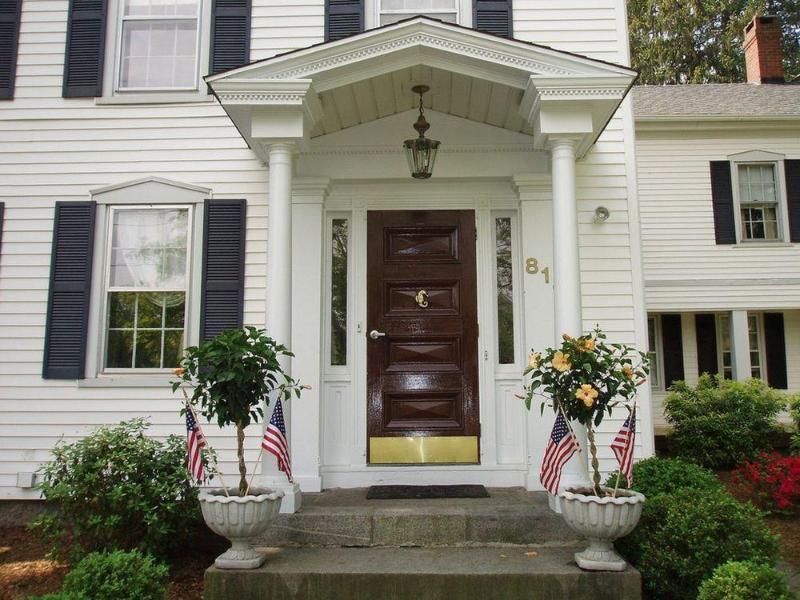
(567, 280)
(279, 297)
(740, 345)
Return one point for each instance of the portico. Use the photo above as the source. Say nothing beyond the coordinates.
(515, 120)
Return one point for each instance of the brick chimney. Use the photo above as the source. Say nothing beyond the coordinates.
(762, 50)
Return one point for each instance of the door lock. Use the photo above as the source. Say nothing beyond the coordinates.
(375, 334)
(422, 299)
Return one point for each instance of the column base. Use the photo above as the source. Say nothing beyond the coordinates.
(292, 496)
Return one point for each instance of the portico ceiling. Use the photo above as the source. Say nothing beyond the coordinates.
(510, 84)
(460, 95)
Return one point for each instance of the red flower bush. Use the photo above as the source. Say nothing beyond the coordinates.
(773, 480)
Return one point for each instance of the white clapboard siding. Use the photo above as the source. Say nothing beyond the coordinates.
(55, 149)
(684, 268)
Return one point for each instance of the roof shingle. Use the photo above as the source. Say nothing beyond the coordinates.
(717, 100)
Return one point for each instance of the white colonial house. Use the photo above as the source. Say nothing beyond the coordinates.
(719, 191)
(173, 168)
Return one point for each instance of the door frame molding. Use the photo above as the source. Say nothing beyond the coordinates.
(341, 385)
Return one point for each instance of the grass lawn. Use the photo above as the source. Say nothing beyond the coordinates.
(25, 570)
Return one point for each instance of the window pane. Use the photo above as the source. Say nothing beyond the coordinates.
(505, 291)
(447, 17)
(173, 348)
(149, 248)
(339, 292)
(120, 349)
(175, 310)
(725, 346)
(150, 311)
(754, 342)
(655, 376)
(158, 54)
(759, 222)
(121, 309)
(159, 8)
(417, 5)
(148, 350)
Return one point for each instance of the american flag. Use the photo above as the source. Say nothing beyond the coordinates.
(275, 442)
(195, 441)
(622, 446)
(560, 448)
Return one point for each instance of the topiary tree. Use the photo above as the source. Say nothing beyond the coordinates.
(745, 580)
(117, 489)
(118, 576)
(654, 476)
(233, 376)
(682, 537)
(720, 423)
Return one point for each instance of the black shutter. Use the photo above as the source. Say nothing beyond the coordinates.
(70, 290)
(792, 168)
(86, 42)
(230, 35)
(343, 18)
(722, 200)
(705, 326)
(494, 16)
(776, 350)
(9, 40)
(222, 301)
(672, 343)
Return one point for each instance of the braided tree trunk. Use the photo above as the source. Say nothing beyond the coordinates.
(240, 455)
(595, 463)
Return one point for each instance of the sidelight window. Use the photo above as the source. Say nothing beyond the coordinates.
(338, 275)
(147, 274)
(504, 273)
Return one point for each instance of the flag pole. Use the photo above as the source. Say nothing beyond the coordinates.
(253, 475)
(631, 414)
(569, 426)
(219, 473)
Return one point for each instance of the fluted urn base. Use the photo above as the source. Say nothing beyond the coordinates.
(240, 518)
(601, 520)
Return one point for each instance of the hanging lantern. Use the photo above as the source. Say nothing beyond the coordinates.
(421, 151)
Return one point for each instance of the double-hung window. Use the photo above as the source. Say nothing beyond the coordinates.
(392, 11)
(159, 45)
(759, 201)
(146, 287)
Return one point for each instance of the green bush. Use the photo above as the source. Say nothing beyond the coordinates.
(656, 475)
(118, 576)
(59, 596)
(745, 580)
(682, 537)
(117, 489)
(719, 424)
(794, 409)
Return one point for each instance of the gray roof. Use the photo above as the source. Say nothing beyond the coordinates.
(717, 100)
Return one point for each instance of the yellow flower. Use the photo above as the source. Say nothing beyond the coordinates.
(566, 337)
(561, 361)
(533, 360)
(587, 394)
(587, 344)
(179, 371)
(627, 370)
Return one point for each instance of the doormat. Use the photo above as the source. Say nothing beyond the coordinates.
(425, 492)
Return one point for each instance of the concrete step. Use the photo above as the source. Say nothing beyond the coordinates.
(543, 573)
(347, 518)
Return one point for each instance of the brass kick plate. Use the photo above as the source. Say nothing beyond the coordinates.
(423, 450)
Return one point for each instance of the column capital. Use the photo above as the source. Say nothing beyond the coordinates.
(562, 144)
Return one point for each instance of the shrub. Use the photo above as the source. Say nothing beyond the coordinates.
(59, 596)
(794, 410)
(683, 537)
(720, 423)
(773, 480)
(118, 576)
(117, 489)
(745, 580)
(655, 476)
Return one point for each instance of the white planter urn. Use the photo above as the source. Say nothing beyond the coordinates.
(240, 518)
(601, 521)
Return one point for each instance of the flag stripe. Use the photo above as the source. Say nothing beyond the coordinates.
(560, 448)
(274, 440)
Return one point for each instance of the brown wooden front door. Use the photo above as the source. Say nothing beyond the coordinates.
(422, 375)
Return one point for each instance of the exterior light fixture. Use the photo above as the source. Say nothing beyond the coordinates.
(421, 151)
(601, 214)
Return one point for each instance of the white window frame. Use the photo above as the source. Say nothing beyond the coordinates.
(762, 354)
(776, 161)
(107, 288)
(718, 319)
(761, 341)
(114, 94)
(153, 192)
(372, 13)
(655, 352)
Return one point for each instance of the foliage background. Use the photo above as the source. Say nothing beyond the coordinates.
(700, 41)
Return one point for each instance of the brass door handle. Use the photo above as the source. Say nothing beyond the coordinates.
(422, 299)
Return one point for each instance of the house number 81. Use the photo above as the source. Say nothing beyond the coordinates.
(532, 268)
